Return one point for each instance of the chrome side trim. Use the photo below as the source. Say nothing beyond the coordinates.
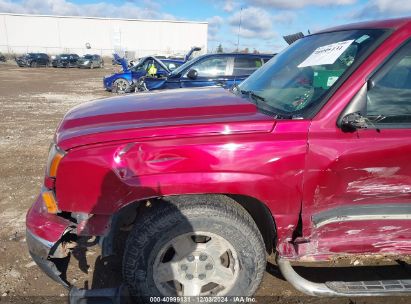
(369, 217)
(363, 213)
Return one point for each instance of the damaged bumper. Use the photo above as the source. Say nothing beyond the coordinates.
(44, 232)
(22, 63)
(39, 250)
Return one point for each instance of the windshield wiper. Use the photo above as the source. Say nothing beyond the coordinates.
(251, 95)
(255, 96)
(263, 106)
(260, 102)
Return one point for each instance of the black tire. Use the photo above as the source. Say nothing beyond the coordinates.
(121, 86)
(168, 220)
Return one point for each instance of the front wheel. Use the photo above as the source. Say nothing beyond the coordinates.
(194, 248)
(121, 86)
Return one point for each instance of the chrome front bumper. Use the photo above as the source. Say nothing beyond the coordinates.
(37, 245)
(39, 250)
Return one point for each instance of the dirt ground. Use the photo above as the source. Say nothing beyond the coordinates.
(32, 102)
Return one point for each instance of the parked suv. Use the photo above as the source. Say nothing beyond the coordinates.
(308, 157)
(33, 60)
(65, 61)
(207, 70)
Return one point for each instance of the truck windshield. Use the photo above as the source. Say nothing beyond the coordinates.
(299, 77)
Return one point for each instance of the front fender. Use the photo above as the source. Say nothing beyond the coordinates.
(247, 184)
(101, 179)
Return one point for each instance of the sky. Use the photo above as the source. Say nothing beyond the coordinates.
(263, 22)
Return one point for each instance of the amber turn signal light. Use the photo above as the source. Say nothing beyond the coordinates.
(54, 164)
(55, 156)
(50, 201)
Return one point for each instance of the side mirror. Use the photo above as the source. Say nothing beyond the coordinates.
(353, 121)
(192, 74)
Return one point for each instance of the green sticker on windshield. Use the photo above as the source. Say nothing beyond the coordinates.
(362, 39)
(326, 78)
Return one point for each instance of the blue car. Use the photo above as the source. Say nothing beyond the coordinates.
(207, 70)
(126, 80)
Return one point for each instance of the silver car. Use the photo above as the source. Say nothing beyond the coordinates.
(90, 61)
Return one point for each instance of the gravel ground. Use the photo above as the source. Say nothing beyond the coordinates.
(32, 102)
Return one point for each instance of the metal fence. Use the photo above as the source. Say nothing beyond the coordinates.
(16, 50)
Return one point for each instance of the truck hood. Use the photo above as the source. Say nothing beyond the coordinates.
(171, 113)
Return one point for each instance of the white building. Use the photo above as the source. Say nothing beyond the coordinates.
(59, 34)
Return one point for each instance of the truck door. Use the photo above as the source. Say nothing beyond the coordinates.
(358, 182)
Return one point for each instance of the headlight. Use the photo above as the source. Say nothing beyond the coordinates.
(55, 156)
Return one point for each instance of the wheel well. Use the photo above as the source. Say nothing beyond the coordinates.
(262, 217)
(121, 78)
(258, 211)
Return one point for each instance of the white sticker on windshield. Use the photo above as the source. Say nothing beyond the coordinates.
(326, 54)
(331, 80)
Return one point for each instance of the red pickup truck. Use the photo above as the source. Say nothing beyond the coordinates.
(310, 157)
